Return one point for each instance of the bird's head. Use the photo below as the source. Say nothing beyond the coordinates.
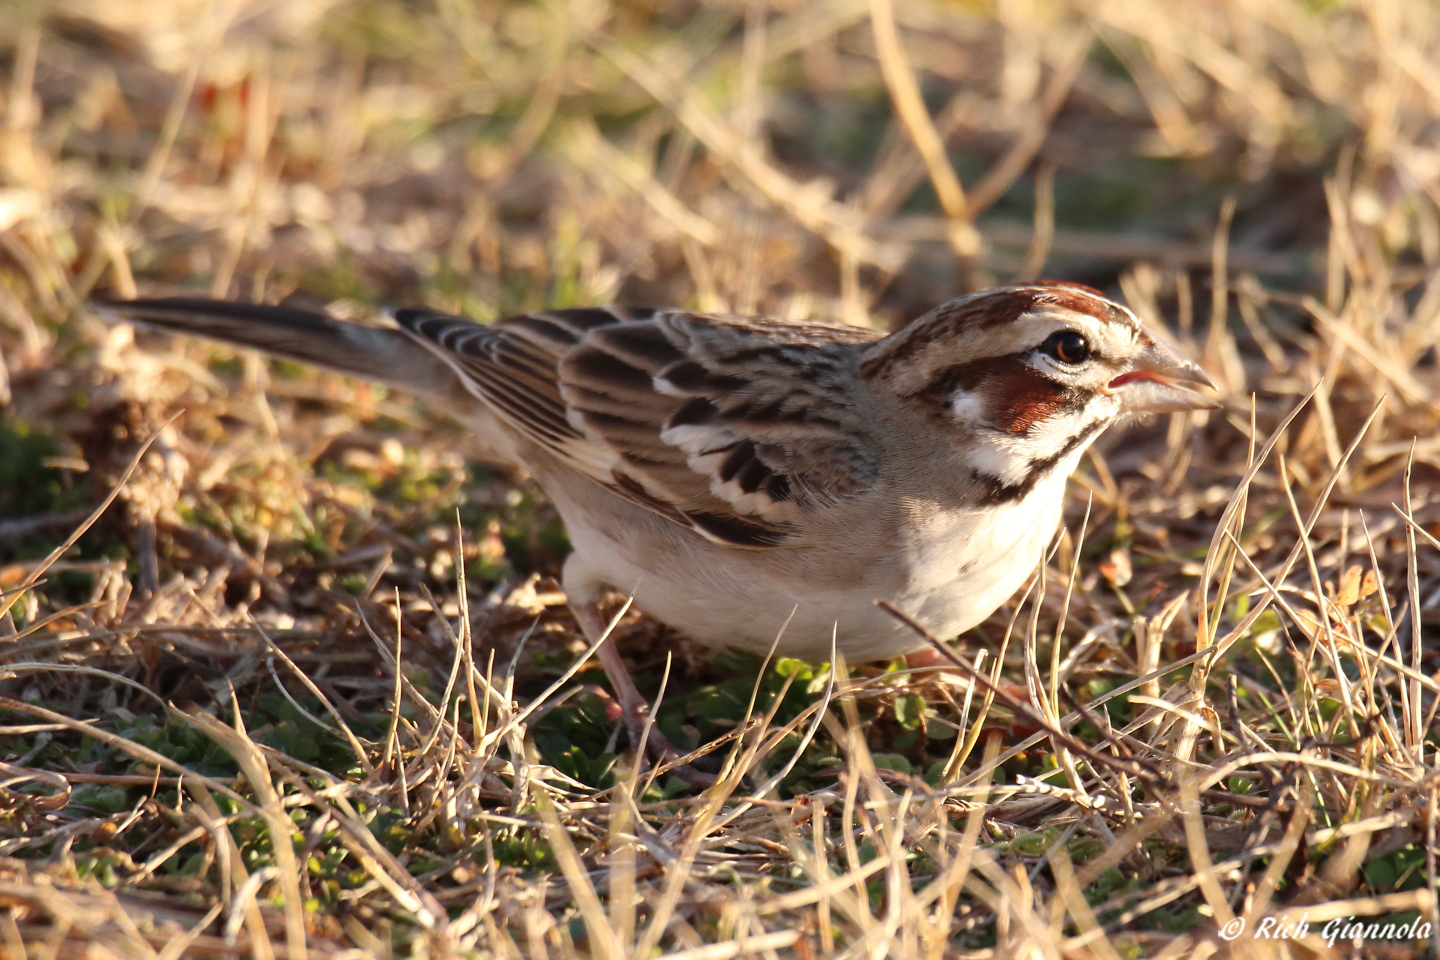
(1022, 377)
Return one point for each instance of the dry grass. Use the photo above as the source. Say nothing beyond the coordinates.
(1218, 701)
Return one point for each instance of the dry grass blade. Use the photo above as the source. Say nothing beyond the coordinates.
(252, 762)
(807, 204)
(1239, 713)
(10, 599)
(905, 93)
(139, 751)
(1023, 708)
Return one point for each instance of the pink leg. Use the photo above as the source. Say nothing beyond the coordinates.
(633, 709)
(927, 659)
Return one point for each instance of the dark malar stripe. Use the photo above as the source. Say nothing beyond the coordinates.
(994, 491)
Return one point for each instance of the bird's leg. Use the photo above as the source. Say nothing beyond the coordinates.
(927, 658)
(932, 661)
(634, 711)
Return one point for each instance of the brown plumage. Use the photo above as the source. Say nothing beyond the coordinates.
(748, 478)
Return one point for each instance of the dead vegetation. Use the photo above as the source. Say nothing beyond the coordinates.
(239, 599)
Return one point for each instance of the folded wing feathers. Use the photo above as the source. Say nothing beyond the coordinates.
(609, 382)
(695, 420)
(511, 365)
(744, 410)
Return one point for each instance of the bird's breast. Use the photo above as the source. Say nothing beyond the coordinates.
(949, 568)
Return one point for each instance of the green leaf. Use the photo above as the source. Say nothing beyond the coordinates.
(910, 710)
(104, 797)
(892, 761)
(788, 666)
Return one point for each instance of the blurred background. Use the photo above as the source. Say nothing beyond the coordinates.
(857, 160)
(493, 157)
(1259, 177)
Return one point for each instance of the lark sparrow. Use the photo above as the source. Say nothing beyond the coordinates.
(749, 478)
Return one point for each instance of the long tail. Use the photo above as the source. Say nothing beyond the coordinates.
(370, 353)
(390, 357)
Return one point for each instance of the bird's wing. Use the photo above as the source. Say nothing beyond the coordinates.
(734, 427)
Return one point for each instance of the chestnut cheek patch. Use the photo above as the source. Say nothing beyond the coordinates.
(1021, 397)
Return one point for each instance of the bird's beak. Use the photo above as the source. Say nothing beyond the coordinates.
(1154, 384)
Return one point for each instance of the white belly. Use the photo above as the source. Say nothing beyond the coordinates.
(953, 570)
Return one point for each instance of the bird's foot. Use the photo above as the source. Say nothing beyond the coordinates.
(630, 708)
(928, 659)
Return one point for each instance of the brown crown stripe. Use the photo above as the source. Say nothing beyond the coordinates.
(1084, 302)
(1066, 283)
(981, 311)
(988, 309)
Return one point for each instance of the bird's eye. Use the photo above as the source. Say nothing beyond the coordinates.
(1067, 346)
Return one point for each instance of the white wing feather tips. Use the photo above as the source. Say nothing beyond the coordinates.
(665, 387)
(595, 460)
(788, 449)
